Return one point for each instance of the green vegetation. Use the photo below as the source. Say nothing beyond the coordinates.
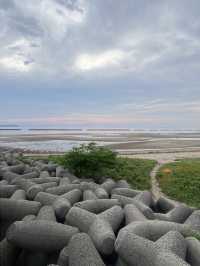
(181, 181)
(95, 162)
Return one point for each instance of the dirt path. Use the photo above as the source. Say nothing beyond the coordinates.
(155, 189)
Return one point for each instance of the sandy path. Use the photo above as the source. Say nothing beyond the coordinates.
(155, 188)
(166, 156)
(162, 158)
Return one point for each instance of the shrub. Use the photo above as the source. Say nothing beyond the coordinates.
(89, 161)
(95, 162)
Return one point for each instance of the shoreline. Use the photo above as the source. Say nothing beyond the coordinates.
(134, 145)
(157, 156)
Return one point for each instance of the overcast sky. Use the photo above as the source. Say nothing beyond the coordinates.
(100, 63)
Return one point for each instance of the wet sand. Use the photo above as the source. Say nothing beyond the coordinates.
(158, 146)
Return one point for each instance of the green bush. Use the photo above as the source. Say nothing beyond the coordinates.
(95, 162)
(89, 161)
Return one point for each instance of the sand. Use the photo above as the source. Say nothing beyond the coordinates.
(158, 146)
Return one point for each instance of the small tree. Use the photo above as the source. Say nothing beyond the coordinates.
(90, 161)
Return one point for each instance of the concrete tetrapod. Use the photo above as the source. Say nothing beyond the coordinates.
(89, 195)
(127, 192)
(122, 184)
(135, 250)
(146, 198)
(102, 236)
(48, 185)
(9, 252)
(32, 258)
(147, 211)
(133, 214)
(180, 213)
(174, 242)
(6, 191)
(46, 213)
(63, 259)
(3, 182)
(64, 181)
(19, 194)
(193, 251)
(139, 251)
(164, 204)
(167, 258)
(194, 220)
(40, 235)
(10, 176)
(62, 189)
(80, 218)
(61, 205)
(45, 198)
(153, 230)
(108, 185)
(27, 176)
(31, 188)
(17, 169)
(100, 227)
(72, 196)
(98, 205)
(42, 180)
(12, 210)
(114, 216)
(82, 251)
(84, 185)
(101, 193)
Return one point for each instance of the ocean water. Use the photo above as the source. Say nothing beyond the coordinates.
(50, 145)
(81, 136)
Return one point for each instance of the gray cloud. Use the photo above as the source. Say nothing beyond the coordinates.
(137, 49)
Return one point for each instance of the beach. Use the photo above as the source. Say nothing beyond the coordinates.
(167, 145)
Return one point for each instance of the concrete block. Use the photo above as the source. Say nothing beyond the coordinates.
(42, 236)
(82, 251)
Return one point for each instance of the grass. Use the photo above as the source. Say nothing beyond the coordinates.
(181, 181)
(135, 171)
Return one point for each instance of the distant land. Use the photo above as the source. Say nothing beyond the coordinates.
(8, 126)
(13, 127)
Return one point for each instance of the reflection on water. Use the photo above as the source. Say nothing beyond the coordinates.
(40, 142)
(50, 145)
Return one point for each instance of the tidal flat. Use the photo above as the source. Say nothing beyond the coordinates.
(145, 144)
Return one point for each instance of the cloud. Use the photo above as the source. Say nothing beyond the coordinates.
(86, 62)
(16, 63)
(160, 106)
(138, 57)
(147, 39)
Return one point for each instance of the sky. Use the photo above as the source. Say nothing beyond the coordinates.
(100, 63)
